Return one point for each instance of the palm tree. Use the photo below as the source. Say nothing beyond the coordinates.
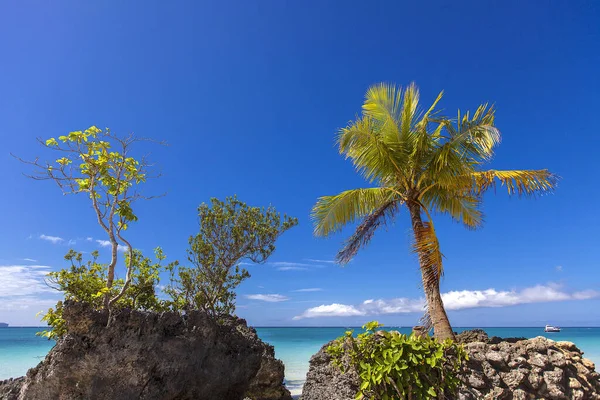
(427, 163)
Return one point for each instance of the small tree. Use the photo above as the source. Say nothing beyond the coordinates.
(230, 232)
(98, 163)
(86, 282)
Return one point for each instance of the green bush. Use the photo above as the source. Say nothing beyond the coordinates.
(86, 282)
(230, 232)
(396, 366)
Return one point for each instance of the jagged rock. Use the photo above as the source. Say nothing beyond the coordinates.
(520, 394)
(517, 361)
(10, 388)
(539, 360)
(569, 346)
(268, 382)
(497, 359)
(513, 379)
(474, 335)
(324, 381)
(556, 358)
(143, 355)
(477, 380)
(499, 340)
(497, 393)
(588, 364)
(536, 378)
(531, 369)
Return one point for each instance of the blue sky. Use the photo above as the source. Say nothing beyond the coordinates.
(250, 94)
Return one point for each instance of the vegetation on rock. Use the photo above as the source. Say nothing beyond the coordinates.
(230, 231)
(99, 163)
(396, 366)
(86, 282)
(426, 162)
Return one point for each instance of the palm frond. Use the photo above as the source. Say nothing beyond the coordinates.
(331, 213)
(365, 231)
(446, 170)
(522, 183)
(474, 138)
(427, 247)
(374, 157)
(431, 114)
(383, 103)
(410, 106)
(462, 207)
(422, 138)
(484, 135)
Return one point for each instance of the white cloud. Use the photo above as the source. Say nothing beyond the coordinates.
(52, 239)
(24, 310)
(72, 242)
(30, 260)
(392, 306)
(295, 266)
(586, 295)
(27, 303)
(454, 300)
(330, 310)
(89, 238)
(271, 298)
(23, 280)
(24, 293)
(290, 264)
(558, 268)
(320, 261)
(458, 300)
(106, 243)
(316, 289)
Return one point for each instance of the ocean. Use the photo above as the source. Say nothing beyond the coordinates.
(21, 349)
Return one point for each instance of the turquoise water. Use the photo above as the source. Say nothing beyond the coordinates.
(21, 349)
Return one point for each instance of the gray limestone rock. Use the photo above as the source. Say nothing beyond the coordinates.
(143, 355)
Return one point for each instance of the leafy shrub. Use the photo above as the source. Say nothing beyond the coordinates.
(86, 282)
(396, 366)
(230, 232)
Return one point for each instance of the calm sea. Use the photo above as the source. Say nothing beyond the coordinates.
(21, 349)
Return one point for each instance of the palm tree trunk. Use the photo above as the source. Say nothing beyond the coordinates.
(435, 306)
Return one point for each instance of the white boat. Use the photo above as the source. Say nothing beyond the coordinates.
(550, 328)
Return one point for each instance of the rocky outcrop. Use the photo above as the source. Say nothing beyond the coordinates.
(529, 369)
(267, 384)
(473, 335)
(143, 355)
(324, 381)
(497, 370)
(479, 335)
(10, 388)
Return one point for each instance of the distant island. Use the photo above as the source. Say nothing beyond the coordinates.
(3, 325)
